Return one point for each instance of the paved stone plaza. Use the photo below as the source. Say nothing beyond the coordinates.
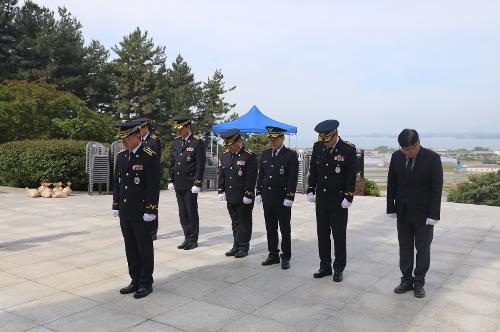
(62, 263)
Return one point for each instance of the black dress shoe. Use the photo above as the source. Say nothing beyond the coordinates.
(142, 292)
(231, 252)
(270, 260)
(182, 245)
(285, 264)
(322, 272)
(190, 245)
(419, 291)
(241, 254)
(338, 277)
(403, 288)
(129, 289)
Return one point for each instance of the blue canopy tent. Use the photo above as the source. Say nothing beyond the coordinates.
(253, 122)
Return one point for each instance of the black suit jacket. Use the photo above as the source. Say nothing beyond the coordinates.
(136, 186)
(186, 165)
(417, 196)
(278, 176)
(332, 176)
(237, 176)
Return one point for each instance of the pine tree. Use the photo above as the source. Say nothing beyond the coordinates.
(137, 72)
(99, 90)
(213, 106)
(8, 39)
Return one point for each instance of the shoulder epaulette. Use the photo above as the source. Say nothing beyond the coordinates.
(248, 151)
(154, 136)
(350, 144)
(293, 150)
(226, 150)
(122, 151)
(149, 151)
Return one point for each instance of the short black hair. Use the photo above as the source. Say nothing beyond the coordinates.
(407, 138)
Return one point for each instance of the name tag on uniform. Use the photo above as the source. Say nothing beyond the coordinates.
(240, 162)
(190, 149)
(138, 167)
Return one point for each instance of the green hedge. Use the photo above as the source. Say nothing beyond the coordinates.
(27, 163)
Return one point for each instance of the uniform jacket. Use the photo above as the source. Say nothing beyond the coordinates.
(332, 174)
(153, 141)
(136, 183)
(237, 176)
(278, 176)
(417, 194)
(186, 165)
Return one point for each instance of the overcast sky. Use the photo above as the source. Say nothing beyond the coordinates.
(376, 66)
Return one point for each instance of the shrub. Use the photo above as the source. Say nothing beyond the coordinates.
(481, 189)
(27, 163)
(371, 189)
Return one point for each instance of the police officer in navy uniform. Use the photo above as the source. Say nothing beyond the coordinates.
(149, 138)
(236, 185)
(135, 200)
(152, 141)
(186, 168)
(276, 185)
(332, 181)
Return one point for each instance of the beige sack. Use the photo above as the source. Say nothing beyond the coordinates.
(67, 189)
(32, 193)
(59, 194)
(47, 193)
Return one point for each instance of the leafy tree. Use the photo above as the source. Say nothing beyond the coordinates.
(30, 110)
(483, 189)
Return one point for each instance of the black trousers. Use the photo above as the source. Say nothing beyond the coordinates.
(154, 226)
(332, 221)
(139, 251)
(188, 214)
(418, 235)
(241, 223)
(278, 214)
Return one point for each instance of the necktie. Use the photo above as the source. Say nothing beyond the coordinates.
(274, 153)
(183, 142)
(409, 165)
(233, 155)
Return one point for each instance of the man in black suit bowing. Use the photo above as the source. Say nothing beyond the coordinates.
(414, 187)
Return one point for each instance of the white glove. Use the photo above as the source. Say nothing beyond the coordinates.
(393, 215)
(311, 197)
(148, 217)
(247, 200)
(221, 197)
(258, 199)
(170, 186)
(430, 221)
(115, 213)
(194, 189)
(346, 204)
(288, 203)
